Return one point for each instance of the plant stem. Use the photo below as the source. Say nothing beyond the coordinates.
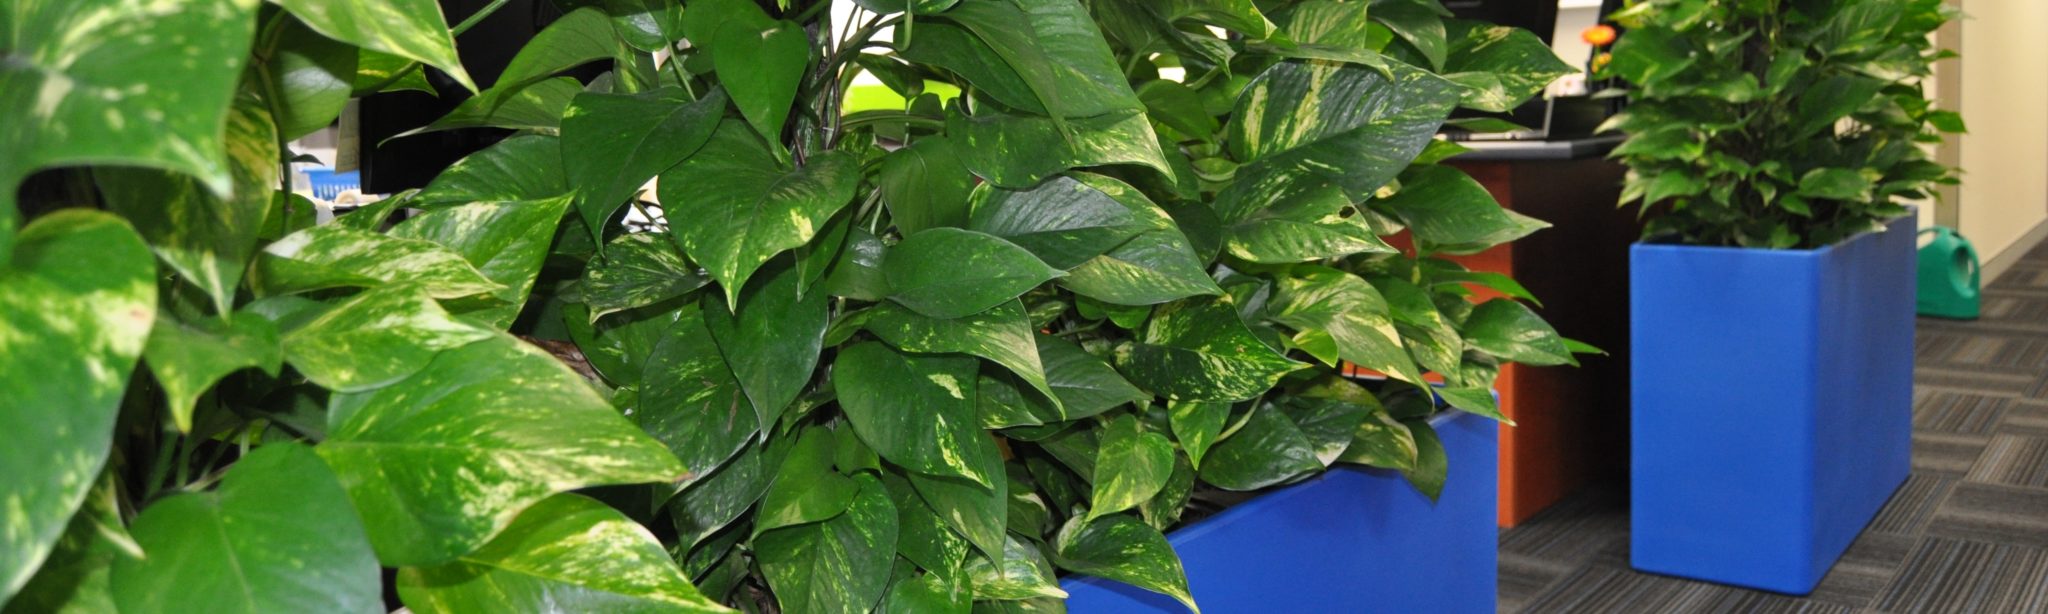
(476, 17)
(908, 119)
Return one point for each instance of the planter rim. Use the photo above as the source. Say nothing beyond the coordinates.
(1196, 528)
(1808, 252)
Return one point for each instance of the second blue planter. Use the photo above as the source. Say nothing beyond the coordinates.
(1772, 404)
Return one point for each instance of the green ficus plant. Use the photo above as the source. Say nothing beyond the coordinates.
(923, 357)
(1778, 123)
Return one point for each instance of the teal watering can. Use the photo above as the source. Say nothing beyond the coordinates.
(1949, 276)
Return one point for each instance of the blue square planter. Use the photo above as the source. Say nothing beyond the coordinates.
(1351, 540)
(1773, 394)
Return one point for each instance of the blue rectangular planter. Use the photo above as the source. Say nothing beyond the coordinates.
(1773, 394)
(1351, 540)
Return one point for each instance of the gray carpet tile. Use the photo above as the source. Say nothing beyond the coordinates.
(1947, 575)
(1973, 380)
(2024, 418)
(1604, 588)
(1996, 514)
(1946, 453)
(1865, 569)
(1912, 505)
(1576, 529)
(2013, 460)
(1955, 412)
(1524, 577)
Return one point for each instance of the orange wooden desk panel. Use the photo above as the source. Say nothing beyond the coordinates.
(1571, 423)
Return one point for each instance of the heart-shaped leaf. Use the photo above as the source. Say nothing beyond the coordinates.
(497, 416)
(771, 339)
(1002, 335)
(568, 552)
(916, 411)
(689, 398)
(524, 167)
(762, 66)
(1200, 350)
(613, 143)
(839, 565)
(278, 536)
(188, 357)
(744, 207)
(78, 299)
(1130, 466)
(411, 29)
(950, 273)
(1124, 549)
(638, 269)
(336, 256)
(376, 338)
(507, 242)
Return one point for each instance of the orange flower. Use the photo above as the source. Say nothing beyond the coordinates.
(1599, 35)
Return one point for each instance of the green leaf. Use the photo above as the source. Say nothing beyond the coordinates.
(806, 489)
(334, 256)
(1432, 467)
(923, 537)
(690, 400)
(1382, 441)
(1268, 449)
(81, 94)
(566, 553)
(1021, 573)
(928, 592)
(1197, 425)
(1343, 25)
(1157, 266)
(1002, 335)
(618, 344)
(916, 411)
(1328, 424)
(206, 238)
(638, 269)
(524, 167)
(1836, 183)
(1420, 22)
(646, 25)
(960, 51)
(1477, 400)
(538, 107)
(1124, 549)
(857, 272)
(1822, 104)
(950, 273)
(771, 339)
(75, 577)
(840, 565)
(1017, 151)
(1509, 330)
(278, 536)
(979, 512)
(1304, 129)
(1446, 210)
(311, 78)
(1500, 66)
(1350, 313)
(580, 37)
(383, 72)
(1130, 467)
(925, 186)
(1085, 384)
(188, 357)
(1241, 16)
(762, 66)
(411, 29)
(78, 300)
(744, 207)
(717, 499)
(438, 463)
(1178, 107)
(1054, 46)
(1199, 350)
(507, 242)
(376, 338)
(1063, 221)
(613, 143)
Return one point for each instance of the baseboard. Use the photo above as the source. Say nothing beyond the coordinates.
(2013, 253)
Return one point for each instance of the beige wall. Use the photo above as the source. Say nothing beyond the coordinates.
(2005, 101)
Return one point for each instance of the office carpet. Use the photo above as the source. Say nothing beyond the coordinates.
(1968, 532)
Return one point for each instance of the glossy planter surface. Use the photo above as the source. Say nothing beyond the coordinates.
(1772, 404)
(1351, 540)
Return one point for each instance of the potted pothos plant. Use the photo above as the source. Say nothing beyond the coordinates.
(923, 359)
(1773, 147)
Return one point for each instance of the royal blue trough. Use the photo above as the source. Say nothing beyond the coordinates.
(1772, 404)
(1351, 540)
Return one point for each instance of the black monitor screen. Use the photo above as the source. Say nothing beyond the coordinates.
(1538, 16)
